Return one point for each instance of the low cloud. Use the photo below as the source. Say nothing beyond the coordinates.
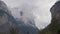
(39, 8)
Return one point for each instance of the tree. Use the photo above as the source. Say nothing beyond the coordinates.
(27, 32)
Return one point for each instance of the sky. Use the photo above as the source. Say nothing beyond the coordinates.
(41, 10)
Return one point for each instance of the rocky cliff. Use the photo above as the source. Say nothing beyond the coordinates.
(9, 25)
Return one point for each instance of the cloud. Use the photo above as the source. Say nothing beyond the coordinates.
(42, 13)
(41, 9)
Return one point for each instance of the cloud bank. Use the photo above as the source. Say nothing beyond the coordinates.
(39, 8)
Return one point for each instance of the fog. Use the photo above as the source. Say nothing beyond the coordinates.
(39, 8)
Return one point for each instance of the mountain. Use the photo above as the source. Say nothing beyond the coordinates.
(7, 21)
(26, 22)
(23, 28)
(9, 25)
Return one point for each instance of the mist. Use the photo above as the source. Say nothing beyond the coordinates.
(39, 10)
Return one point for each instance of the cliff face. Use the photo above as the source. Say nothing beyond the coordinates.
(53, 28)
(26, 22)
(8, 24)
